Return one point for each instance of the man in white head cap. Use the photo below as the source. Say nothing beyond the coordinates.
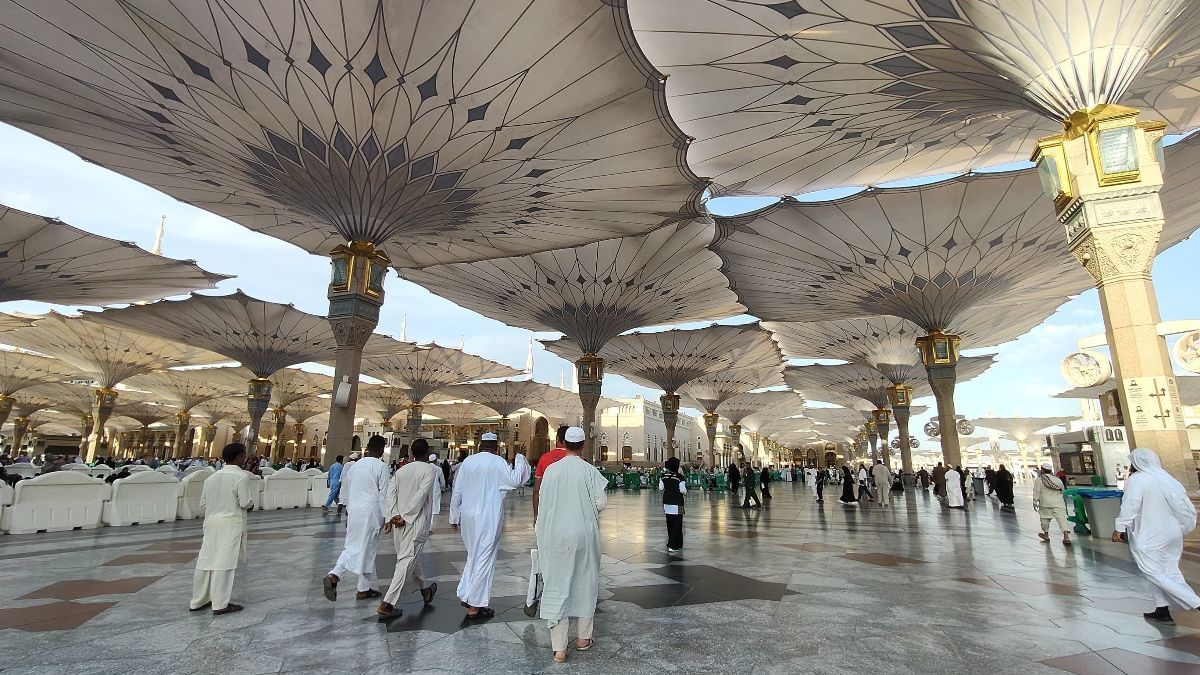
(364, 487)
(1156, 514)
(477, 510)
(568, 538)
(1049, 503)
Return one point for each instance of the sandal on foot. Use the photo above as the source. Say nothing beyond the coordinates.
(483, 613)
(432, 590)
(1044, 537)
(329, 586)
(590, 643)
(563, 659)
(367, 595)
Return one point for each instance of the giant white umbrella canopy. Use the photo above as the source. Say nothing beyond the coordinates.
(20, 370)
(668, 359)
(264, 337)
(1020, 429)
(594, 293)
(438, 131)
(795, 96)
(47, 260)
(759, 405)
(1189, 389)
(708, 392)
(459, 415)
(429, 369)
(414, 133)
(107, 353)
(507, 397)
(187, 389)
(388, 401)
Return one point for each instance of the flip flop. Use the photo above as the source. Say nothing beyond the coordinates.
(329, 586)
(590, 643)
(432, 592)
(564, 656)
(483, 613)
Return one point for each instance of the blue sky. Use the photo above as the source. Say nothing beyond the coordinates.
(39, 177)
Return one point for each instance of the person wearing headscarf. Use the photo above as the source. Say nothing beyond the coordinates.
(1004, 486)
(1048, 502)
(1156, 514)
(847, 486)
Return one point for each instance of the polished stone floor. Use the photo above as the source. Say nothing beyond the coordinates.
(798, 587)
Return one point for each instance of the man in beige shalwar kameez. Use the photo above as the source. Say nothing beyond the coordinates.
(226, 498)
(409, 507)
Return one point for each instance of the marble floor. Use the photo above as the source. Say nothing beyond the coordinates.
(797, 587)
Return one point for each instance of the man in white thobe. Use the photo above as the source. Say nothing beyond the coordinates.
(954, 493)
(364, 485)
(883, 482)
(568, 538)
(226, 497)
(1156, 514)
(412, 497)
(477, 511)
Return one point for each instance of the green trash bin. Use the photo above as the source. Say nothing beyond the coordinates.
(632, 481)
(1074, 499)
(721, 482)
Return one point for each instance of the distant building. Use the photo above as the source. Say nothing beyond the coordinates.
(635, 432)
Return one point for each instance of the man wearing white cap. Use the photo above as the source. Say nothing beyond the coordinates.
(568, 538)
(1049, 503)
(364, 486)
(477, 510)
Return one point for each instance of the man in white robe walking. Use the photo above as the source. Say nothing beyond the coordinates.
(1156, 514)
(568, 538)
(364, 485)
(883, 482)
(226, 498)
(954, 493)
(411, 499)
(477, 511)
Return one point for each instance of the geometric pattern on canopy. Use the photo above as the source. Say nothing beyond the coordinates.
(888, 342)
(764, 403)
(789, 97)
(47, 260)
(292, 384)
(867, 383)
(595, 292)
(105, 352)
(143, 413)
(1020, 428)
(668, 359)
(459, 414)
(19, 370)
(388, 401)
(509, 396)
(231, 409)
(928, 253)
(447, 131)
(433, 367)
(709, 391)
(189, 388)
(262, 336)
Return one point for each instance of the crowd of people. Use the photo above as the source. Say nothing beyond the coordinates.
(569, 493)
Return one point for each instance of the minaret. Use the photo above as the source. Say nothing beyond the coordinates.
(404, 329)
(158, 236)
(529, 359)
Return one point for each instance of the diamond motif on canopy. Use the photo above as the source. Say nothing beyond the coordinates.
(668, 359)
(45, 259)
(707, 393)
(106, 352)
(509, 396)
(864, 382)
(593, 293)
(19, 370)
(778, 403)
(895, 91)
(433, 367)
(262, 336)
(444, 131)
(388, 401)
(189, 388)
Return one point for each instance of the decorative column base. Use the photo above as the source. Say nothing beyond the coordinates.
(258, 400)
(589, 372)
(710, 428)
(277, 454)
(103, 400)
(20, 428)
(670, 409)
